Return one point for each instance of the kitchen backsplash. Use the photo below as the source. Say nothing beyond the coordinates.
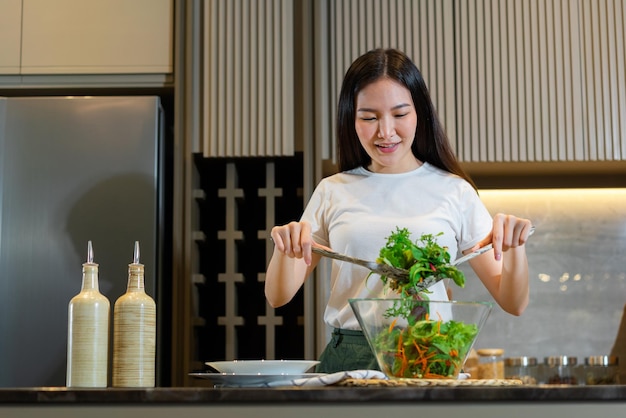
(577, 263)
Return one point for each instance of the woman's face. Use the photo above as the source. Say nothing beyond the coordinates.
(385, 124)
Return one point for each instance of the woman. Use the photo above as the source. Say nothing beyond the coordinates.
(397, 169)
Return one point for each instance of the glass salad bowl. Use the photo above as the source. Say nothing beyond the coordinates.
(420, 339)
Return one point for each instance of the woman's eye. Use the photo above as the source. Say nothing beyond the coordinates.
(368, 119)
(401, 115)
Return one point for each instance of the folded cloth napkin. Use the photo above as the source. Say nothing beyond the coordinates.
(329, 379)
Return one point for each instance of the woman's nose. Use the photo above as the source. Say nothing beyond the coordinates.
(385, 129)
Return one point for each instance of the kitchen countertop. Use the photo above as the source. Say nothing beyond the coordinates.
(363, 402)
(330, 394)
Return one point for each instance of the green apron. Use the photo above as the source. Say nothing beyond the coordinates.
(347, 350)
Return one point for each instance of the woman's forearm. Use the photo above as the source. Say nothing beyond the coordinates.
(513, 294)
(284, 277)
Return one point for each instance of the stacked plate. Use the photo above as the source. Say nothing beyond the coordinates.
(257, 373)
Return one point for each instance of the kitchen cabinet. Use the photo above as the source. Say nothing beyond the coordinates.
(97, 36)
(245, 52)
(544, 83)
(603, 57)
(10, 27)
(520, 86)
(59, 43)
(424, 30)
(534, 81)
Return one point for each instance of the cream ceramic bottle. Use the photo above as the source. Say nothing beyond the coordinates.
(134, 332)
(88, 332)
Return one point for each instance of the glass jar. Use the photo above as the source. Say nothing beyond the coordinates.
(560, 370)
(521, 368)
(599, 370)
(490, 363)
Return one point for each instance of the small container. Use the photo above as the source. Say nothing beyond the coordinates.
(521, 368)
(560, 370)
(490, 363)
(599, 370)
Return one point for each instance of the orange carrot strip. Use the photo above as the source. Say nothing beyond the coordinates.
(429, 375)
(393, 324)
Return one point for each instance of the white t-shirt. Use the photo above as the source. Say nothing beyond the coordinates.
(354, 212)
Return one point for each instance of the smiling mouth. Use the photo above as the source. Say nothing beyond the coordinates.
(387, 145)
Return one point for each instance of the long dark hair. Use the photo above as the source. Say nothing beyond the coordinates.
(431, 143)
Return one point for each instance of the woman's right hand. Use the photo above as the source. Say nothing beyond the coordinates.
(291, 263)
(294, 240)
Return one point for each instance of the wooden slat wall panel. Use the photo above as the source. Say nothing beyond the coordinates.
(519, 81)
(505, 75)
(603, 57)
(248, 78)
(421, 28)
(513, 80)
(531, 80)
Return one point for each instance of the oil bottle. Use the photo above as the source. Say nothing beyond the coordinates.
(88, 332)
(134, 332)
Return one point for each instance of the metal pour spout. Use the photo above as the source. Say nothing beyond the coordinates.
(89, 252)
(136, 253)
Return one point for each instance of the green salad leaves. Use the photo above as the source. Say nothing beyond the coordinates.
(426, 261)
(426, 348)
(416, 345)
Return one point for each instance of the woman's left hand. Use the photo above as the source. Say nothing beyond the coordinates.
(508, 232)
(506, 278)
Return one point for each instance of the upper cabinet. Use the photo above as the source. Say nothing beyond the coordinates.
(69, 42)
(423, 29)
(97, 36)
(10, 28)
(603, 61)
(244, 53)
(540, 81)
(513, 81)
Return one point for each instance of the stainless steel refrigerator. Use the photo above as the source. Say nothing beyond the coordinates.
(72, 169)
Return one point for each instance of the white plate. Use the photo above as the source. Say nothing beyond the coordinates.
(250, 380)
(263, 367)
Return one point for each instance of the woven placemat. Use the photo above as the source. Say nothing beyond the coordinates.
(429, 382)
